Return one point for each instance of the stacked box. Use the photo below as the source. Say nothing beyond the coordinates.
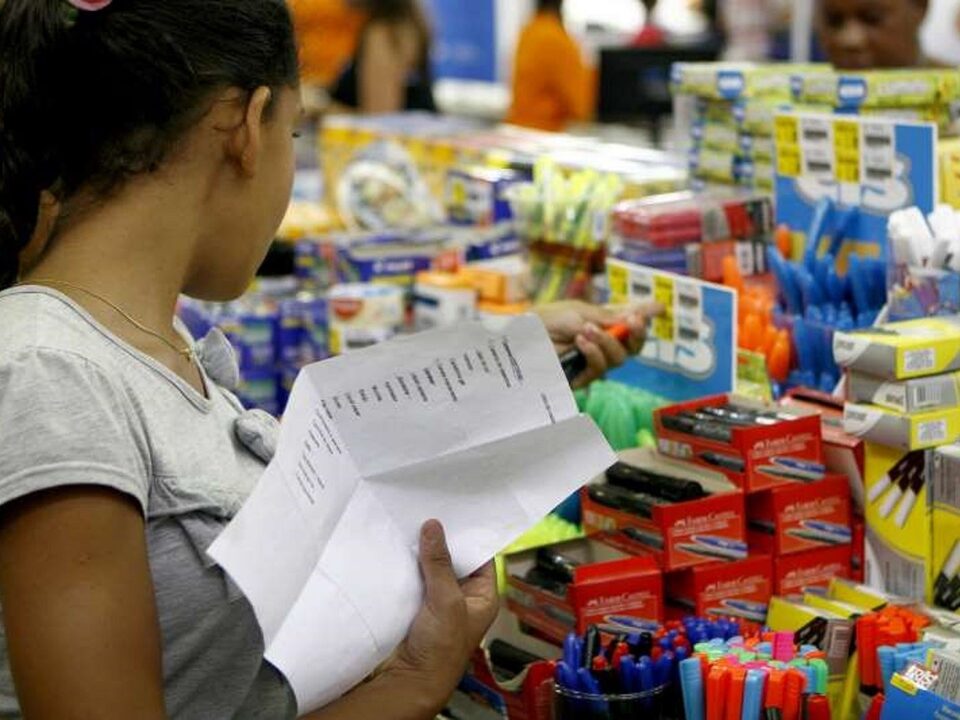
(902, 398)
(732, 133)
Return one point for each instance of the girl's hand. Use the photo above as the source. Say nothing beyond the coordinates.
(572, 323)
(454, 618)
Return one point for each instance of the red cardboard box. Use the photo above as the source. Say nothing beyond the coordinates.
(800, 516)
(607, 582)
(681, 534)
(756, 457)
(528, 696)
(740, 590)
(798, 573)
(843, 454)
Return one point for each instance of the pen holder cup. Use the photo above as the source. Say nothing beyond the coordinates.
(922, 292)
(649, 705)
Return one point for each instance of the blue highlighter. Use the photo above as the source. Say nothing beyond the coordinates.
(691, 684)
(753, 695)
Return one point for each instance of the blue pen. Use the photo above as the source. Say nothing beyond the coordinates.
(818, 224)
(628, 677)
(645, 666)
(753, 695)
(663, 669)
(590, 686)
(691, 685)
(566, 677)
(571, 651)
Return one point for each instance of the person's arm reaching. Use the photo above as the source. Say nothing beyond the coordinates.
(572, 323)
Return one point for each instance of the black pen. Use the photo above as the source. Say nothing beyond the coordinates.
(556, 565)
(661, 486)
(725, 462)
(617, 498)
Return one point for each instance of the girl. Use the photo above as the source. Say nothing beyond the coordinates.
(146, 151)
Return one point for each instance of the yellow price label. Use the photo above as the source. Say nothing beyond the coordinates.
(787, 130)
(663, 294)
(619, 279)
(848, 172)
(788, 162)
(846, 135)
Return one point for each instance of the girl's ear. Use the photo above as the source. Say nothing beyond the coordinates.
(245, 144)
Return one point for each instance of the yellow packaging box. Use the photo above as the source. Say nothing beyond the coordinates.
(901, 350)
(906, 431)
(909, 88)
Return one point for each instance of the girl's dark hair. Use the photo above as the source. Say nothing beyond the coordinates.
(91, 98)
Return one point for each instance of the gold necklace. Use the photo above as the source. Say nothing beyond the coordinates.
(186, 352)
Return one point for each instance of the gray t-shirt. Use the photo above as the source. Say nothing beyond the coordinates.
(78, 406)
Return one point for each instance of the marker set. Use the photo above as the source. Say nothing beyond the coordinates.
(673, 511)
(566, 587)
(755, 446)
(691, 233)
(751, 680)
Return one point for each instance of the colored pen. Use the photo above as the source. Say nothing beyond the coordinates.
(718, 682)
(753, 695)
(574, 362)
(773, 703)
(691, 684)
(734, 704)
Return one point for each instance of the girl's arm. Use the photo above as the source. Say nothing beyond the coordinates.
(78, 606)
(82, 631)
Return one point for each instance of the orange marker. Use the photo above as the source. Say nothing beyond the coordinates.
(793, 685)
(718, 684)
(778, 362)
(770, 334)
(738, 677)
(732, 277)
(783, 239)
(751, 334)
(773, 702)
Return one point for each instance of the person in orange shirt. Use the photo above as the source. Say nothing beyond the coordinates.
(551, 86)
(328, 32)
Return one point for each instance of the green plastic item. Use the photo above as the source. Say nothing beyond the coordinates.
(624, 414)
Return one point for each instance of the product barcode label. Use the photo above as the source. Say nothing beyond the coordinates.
(926, 396)
(933, 431)
(915, 361)
(944, 488)
(892, 571)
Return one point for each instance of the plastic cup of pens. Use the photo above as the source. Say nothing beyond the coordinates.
(570, 704)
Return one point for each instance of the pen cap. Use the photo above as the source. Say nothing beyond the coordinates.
(718, 683)
(753, 695)
(774, 696)
(734, 705)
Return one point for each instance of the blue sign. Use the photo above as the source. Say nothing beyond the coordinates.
(876, 165)
(465, 46)
(691, 350)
